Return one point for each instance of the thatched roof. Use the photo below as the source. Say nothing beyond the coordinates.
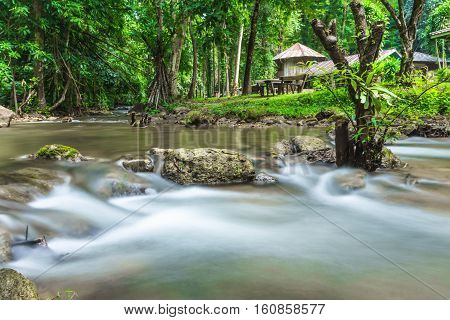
(299, 51)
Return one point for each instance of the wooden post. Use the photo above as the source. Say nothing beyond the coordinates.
(344, 146)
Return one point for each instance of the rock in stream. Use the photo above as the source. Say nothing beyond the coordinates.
(203, 166)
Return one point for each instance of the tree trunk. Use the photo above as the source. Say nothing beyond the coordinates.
(406, 29)
(38, 67)
(177, 47)
(344, 145)
(219, 72)
(213, 76)
(159, 88)
(13, 89)
(367, 147)
(250, 48)
(193, 86)
(63, 95)
(227, 75)
(238, 61)
(407, 66)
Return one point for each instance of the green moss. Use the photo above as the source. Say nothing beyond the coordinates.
(57, 151)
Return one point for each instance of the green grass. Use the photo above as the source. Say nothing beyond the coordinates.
(306, 104)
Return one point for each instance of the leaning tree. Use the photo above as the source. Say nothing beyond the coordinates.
(365, 149)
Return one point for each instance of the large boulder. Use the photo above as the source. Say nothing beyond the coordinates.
(5, 246)
(14, 286)
(58, 152)
(24, 184)
(306, 148)
(6, 117)
(203, 166)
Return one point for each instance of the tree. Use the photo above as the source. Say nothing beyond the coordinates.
(160, 87)
(407, 30)
(246, 88)
(238, 60)
(38, 67)
(193, 86)
(366, 152)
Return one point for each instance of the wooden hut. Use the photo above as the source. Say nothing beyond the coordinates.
(289, 61)
(426, 62)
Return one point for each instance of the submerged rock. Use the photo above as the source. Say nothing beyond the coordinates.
(204, 166)
(306, 148)
(118, 188)
(353, 180)
(6, 117)
(264, 179)
(66, 119)
(5, 246)
(24, 184)
(14, 286)
(138, 165)
(108, 181)
(59, 152)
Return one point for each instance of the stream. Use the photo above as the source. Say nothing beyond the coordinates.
(303, 238)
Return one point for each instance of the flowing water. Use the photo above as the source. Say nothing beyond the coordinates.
(305, 238)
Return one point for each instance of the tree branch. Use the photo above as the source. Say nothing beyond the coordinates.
(330, 43)
(391, 10)
(415, 16)
(372, 47)
(359, 15)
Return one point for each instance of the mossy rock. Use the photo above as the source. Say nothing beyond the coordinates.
(197, 118)
(58, 152)
(14, 286)
(204, 166)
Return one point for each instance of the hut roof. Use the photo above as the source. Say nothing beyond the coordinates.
(440, 33)
(298, 51)
(423, 57)
(326, 67)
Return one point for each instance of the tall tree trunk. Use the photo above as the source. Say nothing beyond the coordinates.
(213, 76)
(406, 29)
(177, 47)
(238, 61)
(14, 91)
(204, 77)
(250, 48)
(219, 72)
(227, 75)
(193, 86)
(38, 67)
